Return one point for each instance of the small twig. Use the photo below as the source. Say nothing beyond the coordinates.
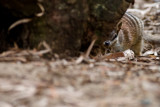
(8, 59)
(42, 10)
(21, 21)
(26, 20)
(46, 45)
(80, 59)
(39, 53)
(90, 48)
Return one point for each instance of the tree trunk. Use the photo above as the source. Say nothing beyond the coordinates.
(67, 25)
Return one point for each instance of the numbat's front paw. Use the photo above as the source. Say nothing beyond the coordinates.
(128, 54)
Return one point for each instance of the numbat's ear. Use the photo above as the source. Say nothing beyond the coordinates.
(118, 27)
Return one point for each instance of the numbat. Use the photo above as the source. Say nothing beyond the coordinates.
(127, 35)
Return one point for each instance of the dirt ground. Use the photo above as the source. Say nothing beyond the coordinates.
(27, 80)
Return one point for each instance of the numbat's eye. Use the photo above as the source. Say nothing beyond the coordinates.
(115, 36)
(107, 43)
